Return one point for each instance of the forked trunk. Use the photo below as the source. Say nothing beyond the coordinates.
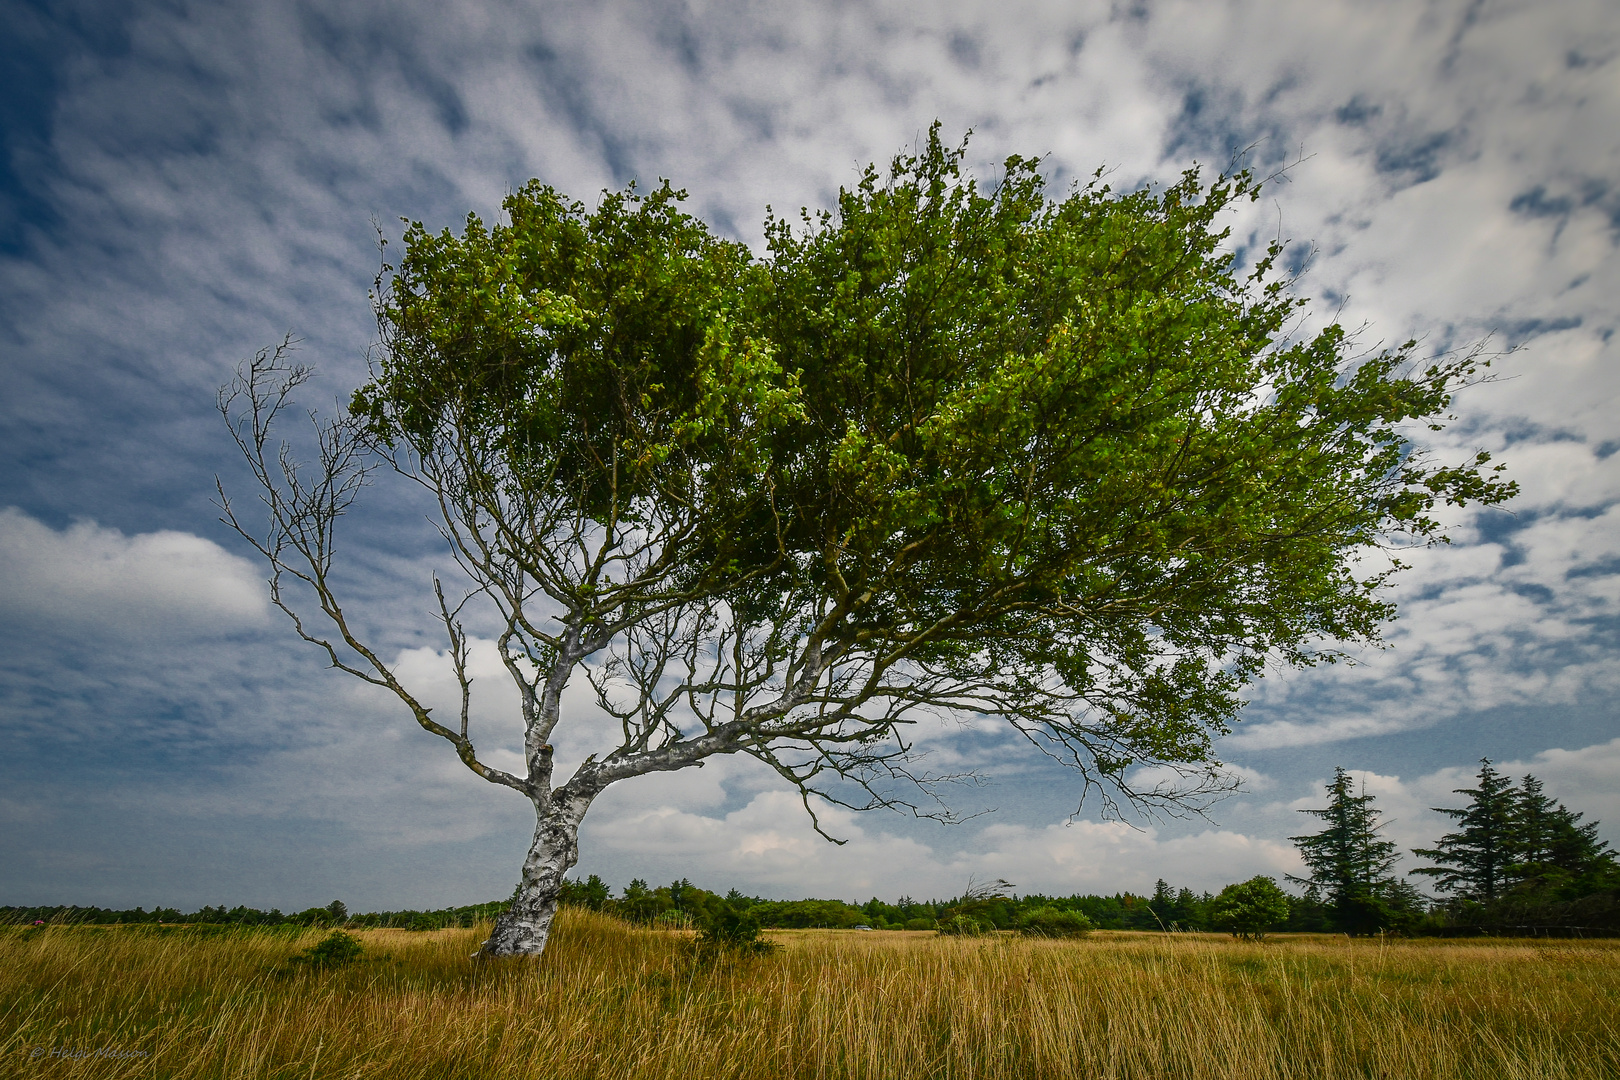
(524, 927)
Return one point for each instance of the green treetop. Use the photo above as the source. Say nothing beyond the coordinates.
(1553, 853)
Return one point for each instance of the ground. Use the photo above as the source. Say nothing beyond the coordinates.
(611, 1001)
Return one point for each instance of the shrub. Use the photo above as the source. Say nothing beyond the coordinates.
(731, 931)
(1054, 923)
(921, 923)
(334, 950)
(960, 925)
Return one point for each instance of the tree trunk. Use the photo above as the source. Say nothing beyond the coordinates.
(523, 928)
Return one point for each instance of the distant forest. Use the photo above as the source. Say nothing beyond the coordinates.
(682, 905)
(1518, 864)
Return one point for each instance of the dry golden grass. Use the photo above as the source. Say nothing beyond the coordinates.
(608, 1001)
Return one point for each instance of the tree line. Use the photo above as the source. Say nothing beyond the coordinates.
(335, 914)
(1518, 862)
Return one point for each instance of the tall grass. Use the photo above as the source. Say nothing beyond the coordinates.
(610, 1001)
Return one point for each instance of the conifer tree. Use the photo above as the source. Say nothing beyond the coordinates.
(1476, 860)
(1350, 865)
(1552, 852)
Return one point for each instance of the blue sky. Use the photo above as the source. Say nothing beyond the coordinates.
(182, 184)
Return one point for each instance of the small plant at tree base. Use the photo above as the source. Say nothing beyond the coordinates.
(1250, 908)
(1053, 922)
(334, 950)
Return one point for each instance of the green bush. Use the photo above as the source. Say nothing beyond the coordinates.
(729, 930)
(334, 950)
(1054, 923)
(921, 924)
(960, 925)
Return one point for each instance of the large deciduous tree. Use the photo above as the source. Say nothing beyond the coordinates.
(943, 450)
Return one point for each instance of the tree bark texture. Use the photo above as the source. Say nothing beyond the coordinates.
(523, 928)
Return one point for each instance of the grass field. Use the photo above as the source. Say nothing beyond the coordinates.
(609, 1001)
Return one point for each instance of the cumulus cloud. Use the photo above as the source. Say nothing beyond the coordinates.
(1586, 779)
(89, 577)
(767, 845)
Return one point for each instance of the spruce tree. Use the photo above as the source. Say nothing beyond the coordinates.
(1475, 862)
(1554, 855)
(1350, 866)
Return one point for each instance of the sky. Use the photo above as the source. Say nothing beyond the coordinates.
(182, 184)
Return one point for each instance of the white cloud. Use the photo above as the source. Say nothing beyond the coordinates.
(768, 845)
(86, 577)
(1587, 780)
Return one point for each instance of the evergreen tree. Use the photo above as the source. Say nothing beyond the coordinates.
(1476, 860)
(1164, 899)
(1350, 866)
(1553, 854)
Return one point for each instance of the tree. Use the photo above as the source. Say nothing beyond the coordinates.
(1551, 853)
(1349, 864)
(942, 452)
(1475, 860)
(1249, 908)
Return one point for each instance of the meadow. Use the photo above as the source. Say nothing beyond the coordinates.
(612, 1001)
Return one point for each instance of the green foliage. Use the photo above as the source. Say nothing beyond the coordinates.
(592, 893)
(334, 950)
(808, 914)
(1052, 459)
(1475, 860)
(734, 931)
(980, 909)
(1170, 909)
(1250, 908)
(960, 924)
(1553, 855)
(1350, 866)
(1028, 425)
(1522, 863)
(1053, 923)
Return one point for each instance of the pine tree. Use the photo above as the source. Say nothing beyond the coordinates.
(1553, 854)
(1164, 898)
(1476, 860)
(1350, 865)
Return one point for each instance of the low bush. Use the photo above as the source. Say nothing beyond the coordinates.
(334, 950)
(960, 925)
(1054, 923)
(731, 931)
